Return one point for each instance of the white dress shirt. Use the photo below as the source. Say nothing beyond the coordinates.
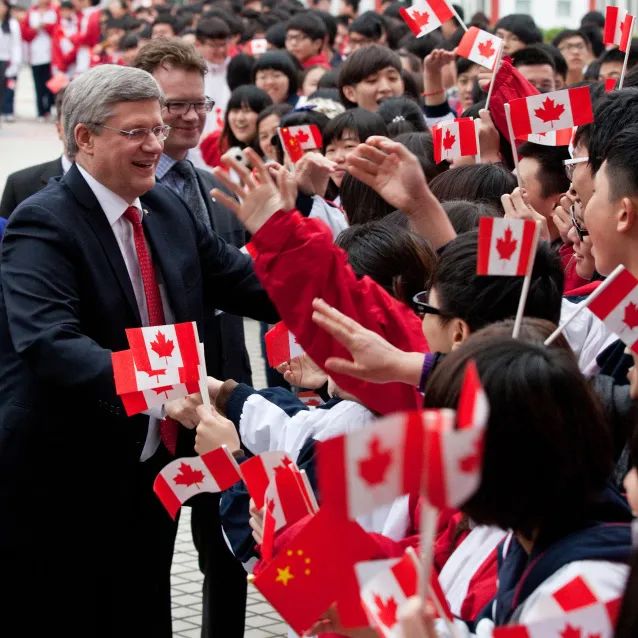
(114, 208)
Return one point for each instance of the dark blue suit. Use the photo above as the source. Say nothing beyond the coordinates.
(85, 547)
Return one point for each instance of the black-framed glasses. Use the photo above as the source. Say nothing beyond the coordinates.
(422, 305)
(139, 134)
(581, 231)
(177, 107)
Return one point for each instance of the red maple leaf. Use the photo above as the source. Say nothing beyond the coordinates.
(302, 137)
(631, 316)
(188, 476)
(155, 373)
(386, 611)
(550, 111)
(372, 469)
(505, 245)
(421, 19)
(570, 632)
(486, 49)
(470, 463)
(448, 140)
(163, 390)
(162, 346)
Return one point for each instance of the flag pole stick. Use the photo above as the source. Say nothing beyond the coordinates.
(624, 66)
(493, 81)
(582, 305)
(458, 17)
(428, 530)
(510, 131)
(203, 385)
(526, 284)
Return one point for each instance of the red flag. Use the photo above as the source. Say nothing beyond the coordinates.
(455, 138)
(425, 16)
(562, 137)
(618, 26)
(182, 478)
(473, 408)
(616, 303)
(610, 84)
(258, 471)
(297, 139)
(281, 345)
(136, 402)
(257, 46)
(506, 247)
(480, 46)
(551, 111)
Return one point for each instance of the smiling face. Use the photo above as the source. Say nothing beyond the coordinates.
(243, 123)
(268, 128)
(369, 93)
(274, 82)
(338, 151)
(124, 166)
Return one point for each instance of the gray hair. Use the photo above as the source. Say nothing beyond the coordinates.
(90, 98)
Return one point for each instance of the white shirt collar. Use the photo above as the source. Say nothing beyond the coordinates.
(112, 204)
(66, 163)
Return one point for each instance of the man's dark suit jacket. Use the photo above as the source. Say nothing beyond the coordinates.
(24, 183)
(69, 456)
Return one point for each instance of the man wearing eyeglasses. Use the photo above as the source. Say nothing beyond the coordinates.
(85, 546)
(180, 70)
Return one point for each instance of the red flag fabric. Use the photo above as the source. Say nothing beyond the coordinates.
(182, 478)
(257, 46)
(258, 471)
(618, 26)
(473, 408)
(480, 46)
(365, 469)
(297, 139)
(281, 345)
(610, 84)
(616, 304)
(551, 111)
(455, 138)
(506, 247)
(562, 137)
(425, 16)
(136, 402)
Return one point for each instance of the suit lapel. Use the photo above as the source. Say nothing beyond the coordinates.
(99, 223)
(51, 169)
(208, 200)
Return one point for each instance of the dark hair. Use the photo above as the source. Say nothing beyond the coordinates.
(465, 215)
(463, 65)
(422, 146)
(622, 171)
(613, 112)
(329, 81)
(522, 26)
(309, 23)
(400, 261)
(423, 46)
(593, 17)
(274, 109)
(480, 300)
(233, 22)
(353, 4)
(279, 61)
(165, 18)
(212, 29)
(359, 121)
(363, 63)
(325, 94)
(595, 37)
(560, 65)
(128, 41)
(616, 55)
(239, 70)
(276, 35)
(402, 115)
(361, 203)
(551, 173)
(330, 22)
(247, 95)
(532, 55)
(369, 24)
(547, 451)
(477, 182)
(570, 33)
(173, 52)
(415, 63)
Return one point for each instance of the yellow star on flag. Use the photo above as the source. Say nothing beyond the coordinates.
(284, 575)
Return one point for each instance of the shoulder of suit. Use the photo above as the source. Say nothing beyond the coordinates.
(36, 170)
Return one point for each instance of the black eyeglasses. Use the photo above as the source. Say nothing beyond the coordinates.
(421, 305)
(182, 108)
(581, 231)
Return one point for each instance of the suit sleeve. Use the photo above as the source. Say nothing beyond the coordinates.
(41, 293)
(297, 261)
(8, 202)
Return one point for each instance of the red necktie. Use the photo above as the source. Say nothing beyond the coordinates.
(168, 427)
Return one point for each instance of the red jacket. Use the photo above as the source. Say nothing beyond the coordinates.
(28, 34)
(296, 262)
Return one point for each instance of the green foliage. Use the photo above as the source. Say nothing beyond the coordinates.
(550, 34)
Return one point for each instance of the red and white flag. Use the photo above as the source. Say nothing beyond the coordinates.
(506, 247)
(162, 347)
(425, 16)
(473, 409)
(182, 478)
(281, 345)
(297, 139)
(365, 469)
(456, 138)
(249, 249)
(562, 137)
(551, 111)
(610, 84)
(257, 47)
(618, 27)
(480, 46)
(616, 304)
(136, 402)
(258, 471)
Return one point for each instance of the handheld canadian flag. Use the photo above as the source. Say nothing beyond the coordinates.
(365, 469)
(473, 409)
(480, 46)
(182, 478)
(136, 402)
(551, 111)
(281, 345)
(506, 247)
(618, 25)
(297, 139)
(562, 137)
(257, 46)
(425, 16)
(162, 347)
(258, 471)
(456, 138)
(616, 304)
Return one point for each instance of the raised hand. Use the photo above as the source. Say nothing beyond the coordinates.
(312, 173)
(303, 372)
(517, 206)
(561, 216)
(213, 431)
